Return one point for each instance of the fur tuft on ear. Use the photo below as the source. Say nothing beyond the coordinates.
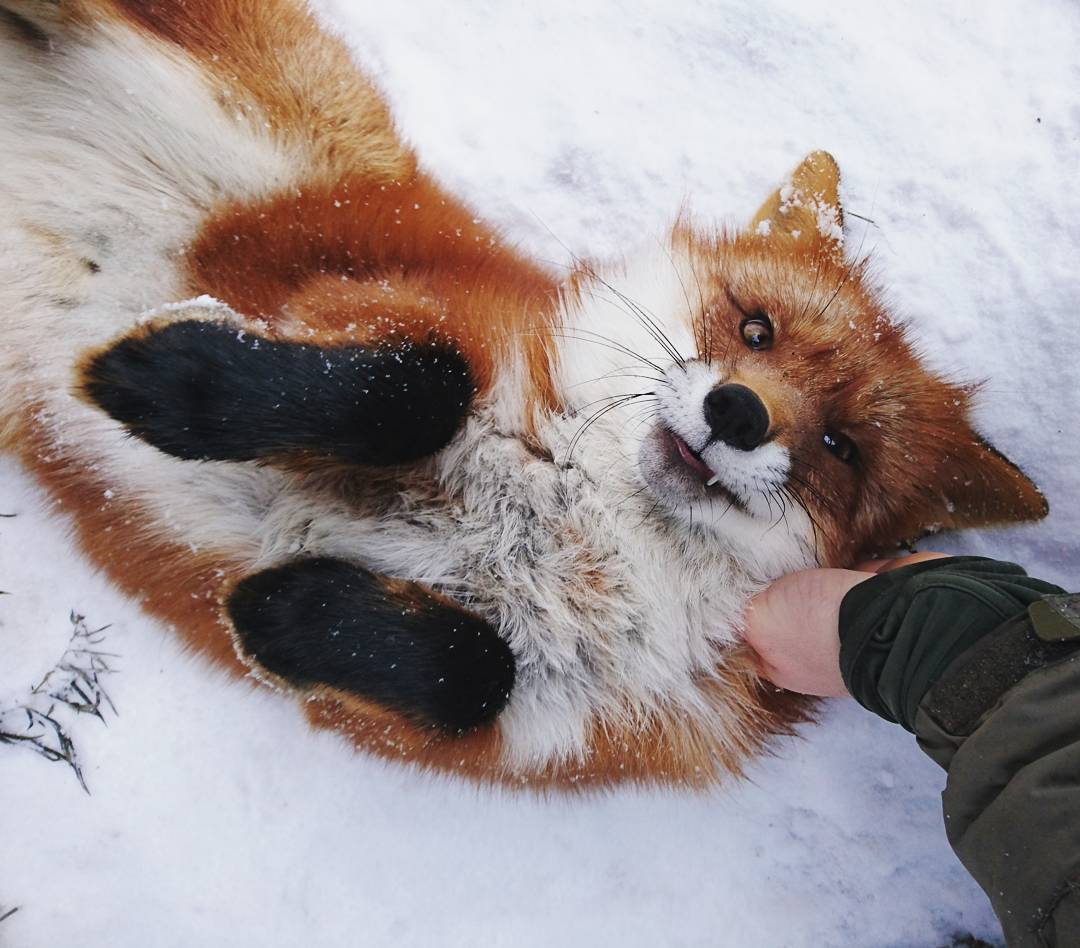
(805, 210)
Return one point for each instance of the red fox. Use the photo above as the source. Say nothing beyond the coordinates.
(315, 414)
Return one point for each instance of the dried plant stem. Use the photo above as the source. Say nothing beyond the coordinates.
(72, 687)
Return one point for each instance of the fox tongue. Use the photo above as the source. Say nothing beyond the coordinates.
(693, 461)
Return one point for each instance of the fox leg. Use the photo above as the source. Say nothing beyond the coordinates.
(206, 389)
(325, 622)
(206, 386)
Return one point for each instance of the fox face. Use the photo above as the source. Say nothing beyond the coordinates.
(791, 417)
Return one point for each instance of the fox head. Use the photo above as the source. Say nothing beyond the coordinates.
(791, 414)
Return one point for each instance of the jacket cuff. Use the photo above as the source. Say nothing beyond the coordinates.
(902, 629)
(974, 683)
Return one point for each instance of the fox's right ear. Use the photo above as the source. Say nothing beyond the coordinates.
(980, 487)
(805, 210)
(969, 486)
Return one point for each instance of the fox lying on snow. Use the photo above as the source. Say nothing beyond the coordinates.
(483, 520)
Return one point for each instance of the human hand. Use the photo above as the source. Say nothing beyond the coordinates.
(793, 625)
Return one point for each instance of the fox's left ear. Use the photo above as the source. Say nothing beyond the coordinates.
(805, 210)
(975, 485)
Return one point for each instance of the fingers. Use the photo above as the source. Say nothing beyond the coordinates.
(793, 628)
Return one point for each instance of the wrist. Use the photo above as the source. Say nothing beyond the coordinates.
(901, 630)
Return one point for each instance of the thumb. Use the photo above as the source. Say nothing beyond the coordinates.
(793, 628)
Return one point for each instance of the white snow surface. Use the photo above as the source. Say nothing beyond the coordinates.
(216, 817)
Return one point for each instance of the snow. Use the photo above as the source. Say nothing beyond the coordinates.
(198, 302)
(216, 818)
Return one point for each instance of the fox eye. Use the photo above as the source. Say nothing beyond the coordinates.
(757, 331)
(839, 445)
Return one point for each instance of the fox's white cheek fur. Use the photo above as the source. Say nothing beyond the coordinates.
(625, 328)
(683, 397)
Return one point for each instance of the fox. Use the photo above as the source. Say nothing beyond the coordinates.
(316, 415)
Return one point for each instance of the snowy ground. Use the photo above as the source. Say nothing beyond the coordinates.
(216, 818)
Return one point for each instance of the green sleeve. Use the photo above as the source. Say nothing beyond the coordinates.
(900, 630)
(1012, 799)
(982, 662)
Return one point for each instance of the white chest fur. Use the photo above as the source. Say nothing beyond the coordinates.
(609, 608)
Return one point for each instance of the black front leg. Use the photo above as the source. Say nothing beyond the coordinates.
(328, 622)
(208, 391)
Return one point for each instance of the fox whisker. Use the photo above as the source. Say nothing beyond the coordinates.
(576, 333)
(630, 497)
(857, 260)
(686, 296)
(706, 342)
(812, 294)
(775, 522)
(813, 491)
(639, 313)
(619, 373)
(795, 498)
(610, 398)
(596, 416)
(635, 309)
(647, 319)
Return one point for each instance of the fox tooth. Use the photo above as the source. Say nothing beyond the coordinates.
(715, 479)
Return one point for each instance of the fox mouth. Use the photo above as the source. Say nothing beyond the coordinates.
(681, 469)
(692, 459)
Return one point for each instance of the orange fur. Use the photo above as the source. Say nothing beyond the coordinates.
(273, 58)
(416, 260)
(827, 314)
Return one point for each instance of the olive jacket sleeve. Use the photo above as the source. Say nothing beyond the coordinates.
(982, 663)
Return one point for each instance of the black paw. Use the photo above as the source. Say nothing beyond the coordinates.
(324, 621)
(200, 390)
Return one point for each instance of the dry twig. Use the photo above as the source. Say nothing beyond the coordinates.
(72, 687)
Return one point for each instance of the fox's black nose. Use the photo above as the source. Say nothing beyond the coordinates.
(736, 416)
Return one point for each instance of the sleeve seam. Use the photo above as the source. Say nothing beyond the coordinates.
(977, 595)
(1071, 886)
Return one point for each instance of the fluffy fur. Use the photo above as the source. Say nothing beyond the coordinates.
(227, 153)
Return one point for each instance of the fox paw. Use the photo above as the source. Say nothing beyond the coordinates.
(206, 390)
(327, 622)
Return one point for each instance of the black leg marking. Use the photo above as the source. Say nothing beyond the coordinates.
(324, 621)
(26, 30)
(201, 390)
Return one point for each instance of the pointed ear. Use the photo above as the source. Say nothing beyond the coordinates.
(805, 210)
(975, 485)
